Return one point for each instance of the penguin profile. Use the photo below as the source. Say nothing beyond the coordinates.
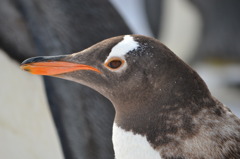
(164, 110)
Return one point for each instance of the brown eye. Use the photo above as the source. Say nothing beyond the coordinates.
(114, 64)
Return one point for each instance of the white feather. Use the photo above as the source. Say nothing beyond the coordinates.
(123, 47)
(132, 146)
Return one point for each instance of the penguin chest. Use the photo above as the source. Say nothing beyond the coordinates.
(128, 145)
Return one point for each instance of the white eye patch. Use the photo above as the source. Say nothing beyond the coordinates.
(123, 47)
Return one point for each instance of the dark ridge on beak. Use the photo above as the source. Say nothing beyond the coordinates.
(43, 59)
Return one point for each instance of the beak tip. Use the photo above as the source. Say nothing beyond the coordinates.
(24, 68)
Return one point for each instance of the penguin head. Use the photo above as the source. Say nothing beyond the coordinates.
(121, 68)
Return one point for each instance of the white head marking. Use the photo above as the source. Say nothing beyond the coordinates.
(123, 47)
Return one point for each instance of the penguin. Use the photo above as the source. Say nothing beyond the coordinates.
(164, 109)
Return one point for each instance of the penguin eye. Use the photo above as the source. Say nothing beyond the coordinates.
(114, 63)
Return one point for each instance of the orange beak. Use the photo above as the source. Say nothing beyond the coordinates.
(51, 67)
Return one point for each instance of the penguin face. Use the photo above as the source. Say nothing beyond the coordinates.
(130, 61)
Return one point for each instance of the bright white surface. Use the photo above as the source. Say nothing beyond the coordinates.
(132, 11)
(132, 146)
(180, 27)
(26, 127)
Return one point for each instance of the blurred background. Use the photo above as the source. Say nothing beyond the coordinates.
(42, 117)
